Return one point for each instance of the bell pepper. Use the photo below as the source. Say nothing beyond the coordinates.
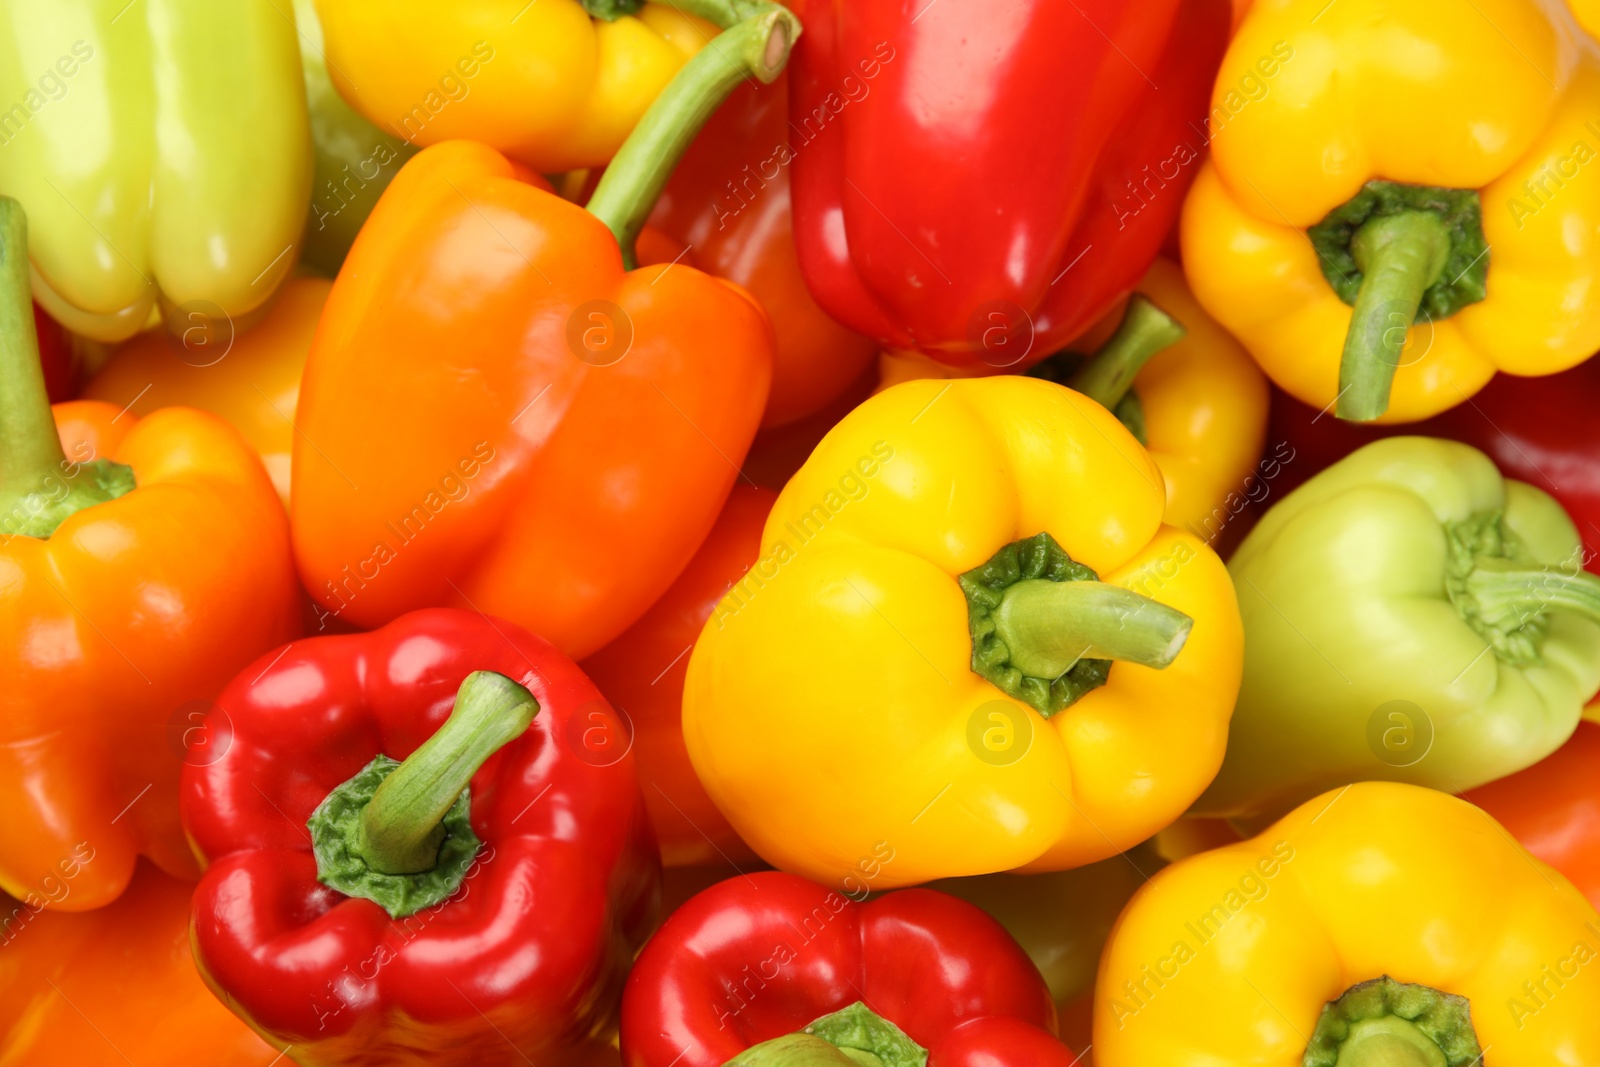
(186, 193)
(354, 160)
(769, 970)
(1188, 392)
(1385, 219)
(498, 413)
(55, 357)
(1380, 925)
(642, 674)
(488, 890)
(983, 188)
(142, 562)
(251, 380)
(1553, 809)
(729, 201)
(1537, 430)
(113, 986)
(930, 634)
(1587, 12)
(1412, 616)
(1064, 942)
(557, 85)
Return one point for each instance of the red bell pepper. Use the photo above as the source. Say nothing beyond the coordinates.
(1542, 431)
(422, 924)
(1553, 809)
(982, 182)
(770, 970)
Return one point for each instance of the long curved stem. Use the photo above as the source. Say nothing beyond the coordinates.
(1109, 373)
(1049, 626)
(757, 46)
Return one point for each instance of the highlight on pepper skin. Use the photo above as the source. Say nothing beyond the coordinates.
(779, 533)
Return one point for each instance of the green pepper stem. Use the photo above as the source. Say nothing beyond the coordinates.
(1049, 626)
(1389, 1041)
(755, 46)
(1401, 256)
(401, 828)
(1522, 592)
(796, 1050)
(1108, 375)
(30, 449)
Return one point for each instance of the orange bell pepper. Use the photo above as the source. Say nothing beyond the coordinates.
(498, 414)
(251, 380)
(142, 564)
(114, 987)
(642, 674)
(729, 201)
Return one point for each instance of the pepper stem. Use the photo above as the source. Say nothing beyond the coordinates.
(1109, 373)
(1521, 593)
(852, 1036)
(757, 45)
(39, 487)
(402, 827)
(1049, 626)
(1389, 1041)
(1401, 256)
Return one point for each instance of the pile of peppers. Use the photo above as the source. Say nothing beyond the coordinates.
(727, 533)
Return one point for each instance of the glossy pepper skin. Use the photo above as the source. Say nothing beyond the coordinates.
(761, 956)
(729, 201)
(1537, 430)
(125, 988)
(548, 85)
(1202, 402)
(189, 192)
(446, 416)
(533, 946)
(952, 165)
(252, 380)
(642, 674)
(1411, 615)
(851, 633)
(1553, 809)
(132, 611)
(1231, 955)
(1497, 113)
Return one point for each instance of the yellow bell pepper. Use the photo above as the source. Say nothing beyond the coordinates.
(920, 663)
(1201, 403)
(252, 381)
(162, 152)
(557, 84)
(1587, 12)
(1379, 925)
(1400, 199)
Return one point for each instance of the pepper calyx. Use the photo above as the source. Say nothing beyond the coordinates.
(1045, 629)
(1396, 253)
(852, 1036)
(1384, 1023)
(335, 828)
(612, 10)
(1504, 594)
(400, 834)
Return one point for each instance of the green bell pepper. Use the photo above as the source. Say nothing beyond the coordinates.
(355, 160)
(1409, 615)
(162, 151)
